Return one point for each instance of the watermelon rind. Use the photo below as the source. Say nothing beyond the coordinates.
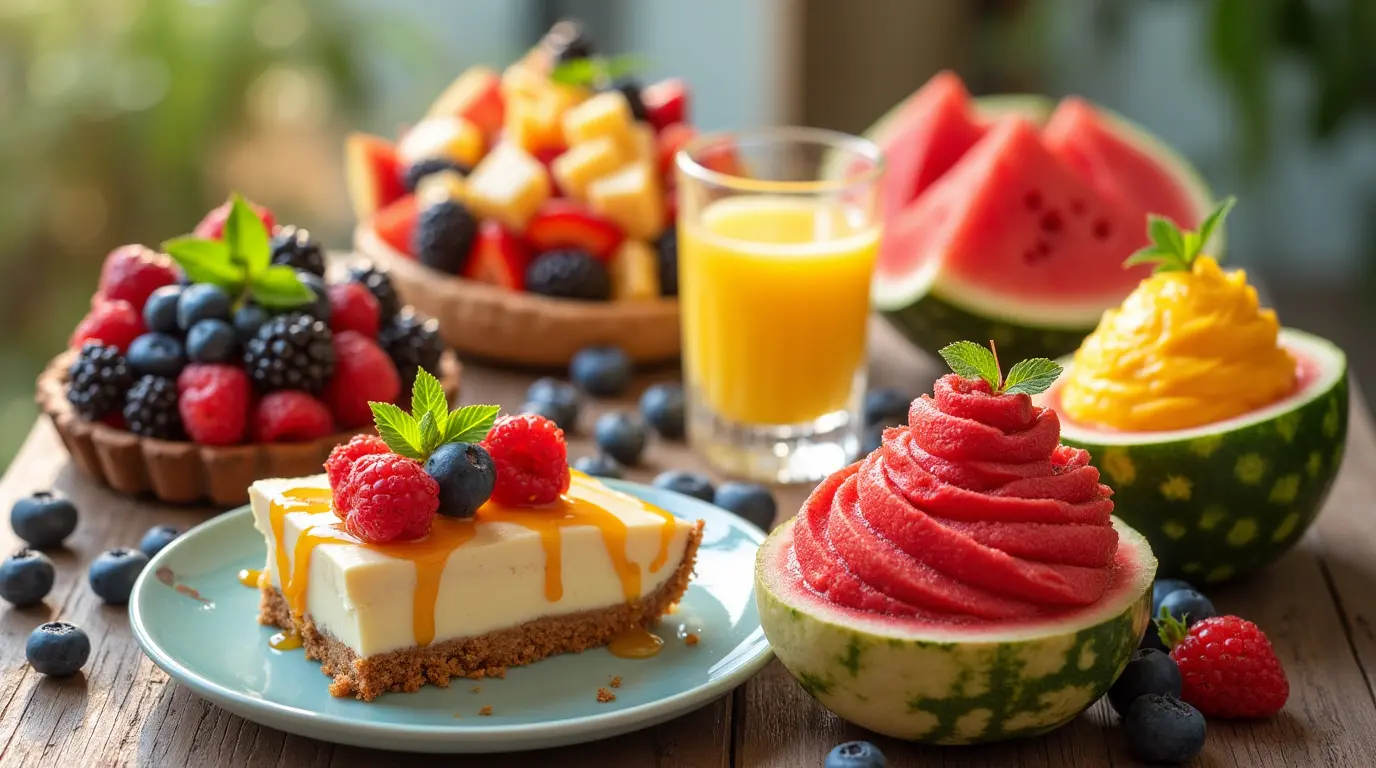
(948, 684)
(1222, 500)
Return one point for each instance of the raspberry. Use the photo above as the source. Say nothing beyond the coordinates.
(388, 498)
(531, 458)
(289, 416)
(115, 323)
(343, 456)
(133, 272)
(213, 399)
(1227, 667)
(212, 227)
(355, 308)
(363, 373)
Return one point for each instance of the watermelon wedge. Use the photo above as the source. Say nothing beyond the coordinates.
(934, 130)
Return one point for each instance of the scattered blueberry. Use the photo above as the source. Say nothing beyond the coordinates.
(599, 465)
(686, 483)
(1188, 606)
(886, 406)
(664, 408)
(1162, 587)
(26, 577)
(112, 574)
(211, 341)
(157, 354)
(548, 389)
(320, 308)
(601, 371)
(856, 754)
(751, 501)
(1148, 671)
(871, 439)
(156, 538)
(57, 648)
(621, 435)
(465, 475)
(562, 415)
(202, 301)
(1162, 729)
(248, 318)
(43, 520)
(160, 311)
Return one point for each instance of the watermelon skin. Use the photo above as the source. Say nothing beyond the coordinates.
(1217, 503)
(933, 321)
(941, 690)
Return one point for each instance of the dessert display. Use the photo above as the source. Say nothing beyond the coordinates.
(1009, 220)
(532, 211)
(966, 582)
(455, 546)
(229, 358)
(1220, 431)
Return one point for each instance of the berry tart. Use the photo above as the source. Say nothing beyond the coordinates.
(230, 357)
(532, 212)
(458, 544)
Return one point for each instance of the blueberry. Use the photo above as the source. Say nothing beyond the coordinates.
(320, 308)
(621, 435)
(202, 301)
(562, 415)
(465, 475)
(599, 465)
(248, 318)
(871, 439)
(886, 406)
(686, 483)
(664, 408)
(1162, 587)
(1162, 729)
(1148, 671)
(26, 577)
(1151, 641)
(157, 354)
(43, 520)
(160, 311)
(211, 341)
(1188, 606)
(156, 538)
(751, 501)
(551, 390)
(601, 371)
(57, 648)
(856, 754)
(112, 574)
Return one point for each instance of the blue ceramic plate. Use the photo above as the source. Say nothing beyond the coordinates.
(196, 621)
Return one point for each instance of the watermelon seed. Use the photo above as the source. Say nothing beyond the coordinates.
(1033, 200)
(1102, 229)
(1077, 206)
(1051, 221)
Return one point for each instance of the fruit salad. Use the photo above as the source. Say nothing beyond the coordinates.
(553, 177)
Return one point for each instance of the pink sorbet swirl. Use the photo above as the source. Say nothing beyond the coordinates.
(974, 511)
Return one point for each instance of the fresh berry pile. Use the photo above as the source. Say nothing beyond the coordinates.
(234, 335)
(555, 177)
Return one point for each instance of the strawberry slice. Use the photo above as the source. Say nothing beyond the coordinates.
(666, 102)
(372, 173)
(670, 140)
(476, 95)
(499, 258)
(396, 224)
(562, 223)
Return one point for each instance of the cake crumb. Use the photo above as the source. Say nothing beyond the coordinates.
(486, 711)
(616, 681)
(477, 689)
(604, 695)
(691, 639)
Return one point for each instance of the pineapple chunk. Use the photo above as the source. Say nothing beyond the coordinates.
(643, 146)
(439, 187)
(606, 114)
(451, 137)
(634, 271)
(533, 124)
(508, 185)
(580, 165)
(631, 199)
(523, 80)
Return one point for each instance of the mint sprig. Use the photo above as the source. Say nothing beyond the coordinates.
(1173, 249)
(1028, 377)
(596, 70)
(430, 423)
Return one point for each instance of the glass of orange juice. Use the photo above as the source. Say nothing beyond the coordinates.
(777, 235)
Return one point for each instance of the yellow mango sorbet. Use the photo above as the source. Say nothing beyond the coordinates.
(1186, 348)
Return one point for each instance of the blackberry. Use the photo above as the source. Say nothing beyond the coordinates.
(630, 88)
(569, 274)
(666, 250)
(376, 280)
(412, 341)
(320, 308)
(412, 174)
(292, 351)
(569, 40)
(295, 247)
(444, 236)
(97, 381)
(150, 408)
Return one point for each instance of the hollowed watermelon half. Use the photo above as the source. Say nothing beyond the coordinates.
(943, 683)
(1220, 500)
(1008, 219)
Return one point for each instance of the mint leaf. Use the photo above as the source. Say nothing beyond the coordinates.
(1031, 377)
(576, 72)
(398, 430)
(470, 423)
(1174, 249)
(620, 66)
(206, 261)
(1165, 234)
(430, 435)
(279, 287)
(1213, 220)
(247, 237)
(972, 361)
(428, 399)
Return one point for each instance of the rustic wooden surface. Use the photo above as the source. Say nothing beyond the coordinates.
(1318, 605)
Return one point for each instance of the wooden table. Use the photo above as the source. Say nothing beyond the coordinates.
(1318, 605)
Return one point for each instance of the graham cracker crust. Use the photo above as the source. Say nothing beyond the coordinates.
(475, 657)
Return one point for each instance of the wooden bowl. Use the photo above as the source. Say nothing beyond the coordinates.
(184, 472)
(488, 322)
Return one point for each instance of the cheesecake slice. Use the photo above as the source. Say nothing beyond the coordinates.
(511, 586)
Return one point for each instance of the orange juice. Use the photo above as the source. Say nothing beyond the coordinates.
(774, 293)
